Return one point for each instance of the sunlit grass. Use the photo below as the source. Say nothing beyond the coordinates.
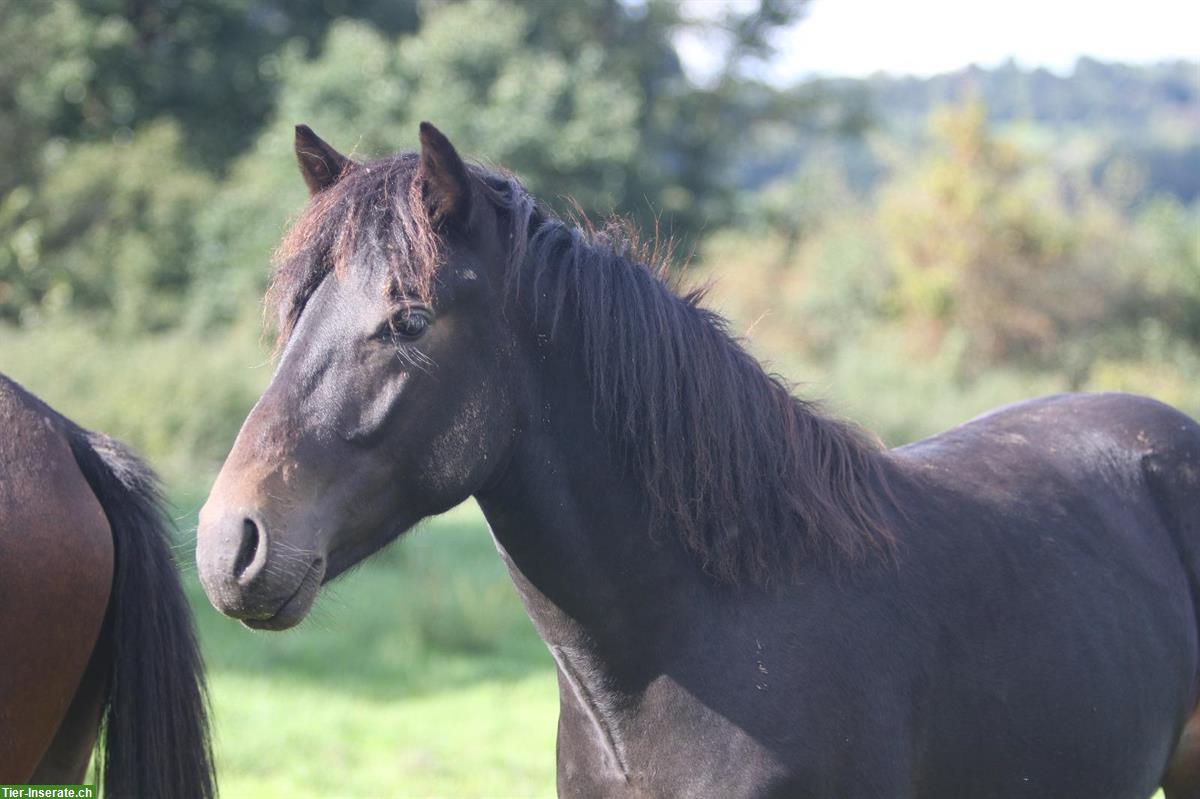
(417, 676)
(284, 737)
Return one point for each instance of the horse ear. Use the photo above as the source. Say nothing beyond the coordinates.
(444, 179)
(320, 164)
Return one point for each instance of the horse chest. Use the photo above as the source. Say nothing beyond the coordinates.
(663, 743)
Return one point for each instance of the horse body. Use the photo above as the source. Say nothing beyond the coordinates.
(1062, 536)
(1072, 621)
(1032, 633)
(744, 596)
(95, 631)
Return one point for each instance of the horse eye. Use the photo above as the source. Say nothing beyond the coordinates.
(409, 323)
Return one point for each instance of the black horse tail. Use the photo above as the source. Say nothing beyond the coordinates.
(155, 735)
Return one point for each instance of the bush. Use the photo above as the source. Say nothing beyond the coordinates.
(110, 231)
(179, 399)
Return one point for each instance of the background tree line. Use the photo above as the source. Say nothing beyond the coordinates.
(962, 240)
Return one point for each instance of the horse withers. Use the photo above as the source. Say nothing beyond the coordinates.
(95, 632)
(744, 596)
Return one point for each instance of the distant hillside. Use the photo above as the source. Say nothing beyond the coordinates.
(1101, 112)
(1134, 100)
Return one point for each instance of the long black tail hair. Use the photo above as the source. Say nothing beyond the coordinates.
(155, 735)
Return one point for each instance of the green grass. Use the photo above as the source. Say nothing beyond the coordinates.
(418, 675)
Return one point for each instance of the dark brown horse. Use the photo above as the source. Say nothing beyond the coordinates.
(744, 597)
(94, 628)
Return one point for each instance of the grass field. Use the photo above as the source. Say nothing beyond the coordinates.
(418, 675)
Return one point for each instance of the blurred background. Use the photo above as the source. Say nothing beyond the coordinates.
(916, 210)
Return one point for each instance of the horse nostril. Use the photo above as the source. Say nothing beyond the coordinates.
(248, 548)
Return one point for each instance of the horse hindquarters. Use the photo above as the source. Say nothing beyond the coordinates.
(56, 561)
(67, 759)
(1172, 472)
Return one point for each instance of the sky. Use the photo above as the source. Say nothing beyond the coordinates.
(925, 37)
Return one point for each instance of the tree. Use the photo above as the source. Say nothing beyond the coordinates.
(587, 100)
(982, 242)
(86, 69)
(110, 232)
(555, 92)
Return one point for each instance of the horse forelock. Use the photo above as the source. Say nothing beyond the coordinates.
(375, 210)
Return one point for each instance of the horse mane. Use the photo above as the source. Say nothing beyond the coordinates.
(755, 481)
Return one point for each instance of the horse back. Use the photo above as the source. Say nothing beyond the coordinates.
(1056, 547)
(1058, 458)
(56, 568)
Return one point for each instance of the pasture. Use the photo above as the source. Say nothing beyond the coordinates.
(418, 675)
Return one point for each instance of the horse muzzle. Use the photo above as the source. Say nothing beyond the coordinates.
(250, 574)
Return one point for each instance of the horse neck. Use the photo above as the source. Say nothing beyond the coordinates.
(574, 528)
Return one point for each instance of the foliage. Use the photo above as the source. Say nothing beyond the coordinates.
(981, 241)
(88, 69)
(1169, 266)
(978, 275)
(108, 231)
(176, 397)
(585, 100)
(197, 101)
